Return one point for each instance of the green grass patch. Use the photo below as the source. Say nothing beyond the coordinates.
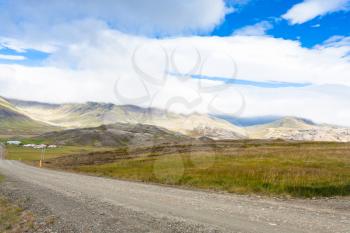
(30, 154)
(301, 170)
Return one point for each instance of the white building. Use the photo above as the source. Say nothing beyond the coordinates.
(41, 146)
(13, 142)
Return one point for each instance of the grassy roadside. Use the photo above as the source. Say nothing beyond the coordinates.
(302, 170)
(30, 154)
(13, 219)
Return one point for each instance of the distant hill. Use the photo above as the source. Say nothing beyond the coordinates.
(119, 134)
(291, 122)
(93, 114)
(15, 123)
(293, 128)
(27, 115)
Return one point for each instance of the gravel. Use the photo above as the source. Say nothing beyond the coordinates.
(79, 203)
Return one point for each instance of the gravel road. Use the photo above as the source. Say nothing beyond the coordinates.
(92, 204)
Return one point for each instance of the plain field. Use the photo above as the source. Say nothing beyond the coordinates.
(269, 168)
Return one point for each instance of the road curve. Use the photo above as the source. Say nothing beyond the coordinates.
(94, 204)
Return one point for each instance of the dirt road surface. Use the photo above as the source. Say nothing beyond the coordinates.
(92, 204)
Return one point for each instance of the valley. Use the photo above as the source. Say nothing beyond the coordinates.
(284, 156)
(162, 116)
(279, 164)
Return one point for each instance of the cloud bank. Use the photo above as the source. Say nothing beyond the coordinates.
(310, 9)
(95, 56)
(164, 17)
(112, 66)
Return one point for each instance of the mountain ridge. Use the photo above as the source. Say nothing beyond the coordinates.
(94, 114)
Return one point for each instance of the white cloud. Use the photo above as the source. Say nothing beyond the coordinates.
(12, 57)
(321, 103)
(88, 56)
(165, 17)
(21, 45)
(86, 69)
(310, 9)
(258, 29)
(337, 41)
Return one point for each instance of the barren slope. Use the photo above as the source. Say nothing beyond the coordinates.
(93, 114)
(13, 122)
(291, 128)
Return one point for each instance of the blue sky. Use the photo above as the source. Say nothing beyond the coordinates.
(293, 53)
(32, 57)
(309, 33)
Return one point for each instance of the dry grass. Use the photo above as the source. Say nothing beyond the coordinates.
(293, 169)
(13, 219)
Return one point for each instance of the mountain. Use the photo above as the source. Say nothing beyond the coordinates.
(119, 134)
(13, 122)
(292, 128)
(93, 114)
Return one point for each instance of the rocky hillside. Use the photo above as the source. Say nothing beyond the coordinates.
(292, 128)
(119, 134)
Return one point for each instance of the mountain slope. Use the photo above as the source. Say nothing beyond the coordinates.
(292, 128)
(95, 114)
(119, 134)
(14, 123)
(91, 114)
